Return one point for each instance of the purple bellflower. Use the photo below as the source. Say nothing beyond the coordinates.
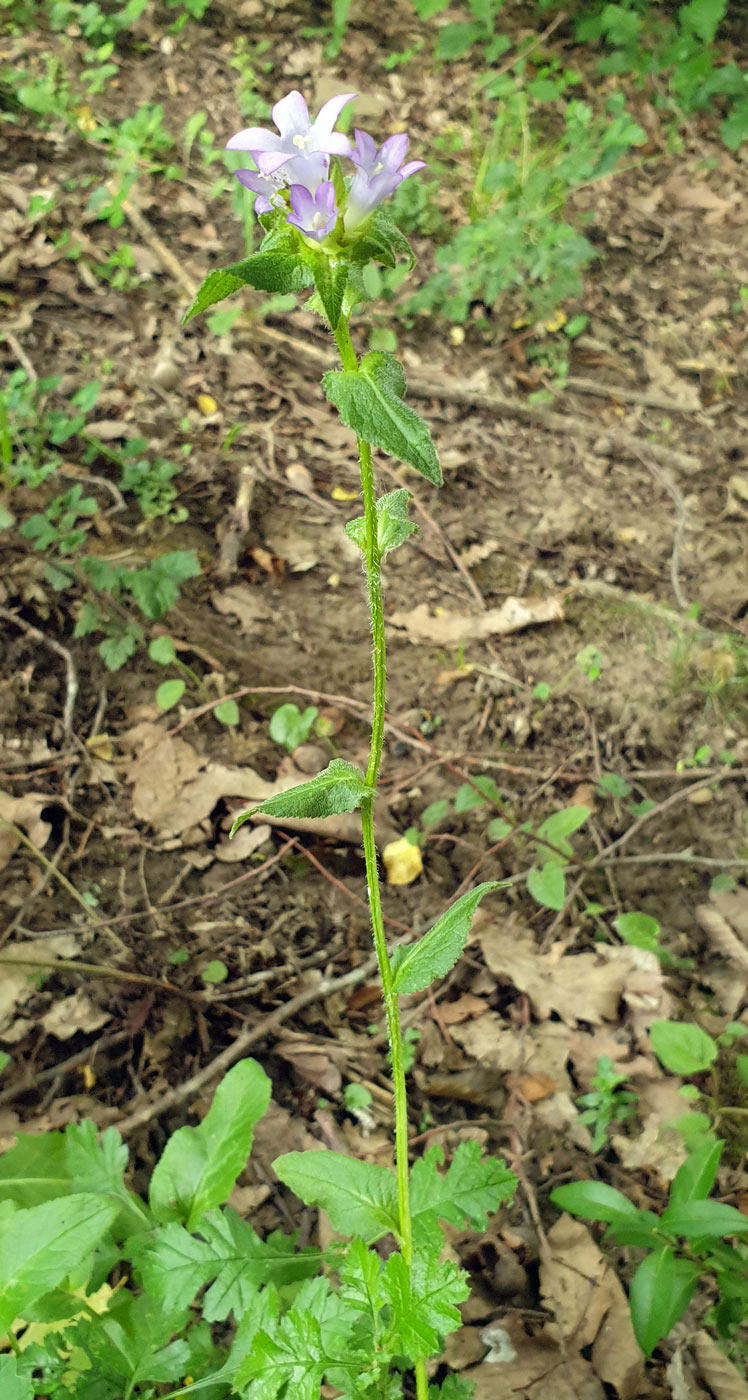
(313, 214)
(300, 155)
(378, 174)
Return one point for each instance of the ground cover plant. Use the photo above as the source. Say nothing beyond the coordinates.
(564, 727)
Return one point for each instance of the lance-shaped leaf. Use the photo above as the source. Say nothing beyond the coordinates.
(277, 267)
(359, 1197)
(370, 401)
(330, 279)
(393, 525)
(660, 1292)
(414, 968)
(340, 788)
(199, 1166)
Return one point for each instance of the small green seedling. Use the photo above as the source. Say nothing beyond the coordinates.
(290, 727)
(606, 1103)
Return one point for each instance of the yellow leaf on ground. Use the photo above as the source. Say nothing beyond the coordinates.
(402, 862)
(339, 493)
(207, 404)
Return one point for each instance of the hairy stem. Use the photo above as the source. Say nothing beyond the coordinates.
(394, 1030)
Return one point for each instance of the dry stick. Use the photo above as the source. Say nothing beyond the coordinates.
(244, 1040)
(71, 692)
(56, 1071)
(647, 398)
(180, 903)
(608, 854)
(63, 880)
(665, 479)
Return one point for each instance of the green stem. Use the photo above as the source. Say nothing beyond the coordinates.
(394, 1030)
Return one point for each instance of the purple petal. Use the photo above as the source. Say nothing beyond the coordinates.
(337, 144)
(302, 203)
(262, 205)
(412, 167)
(254, 138)
(270, 161)
(291, 115)
(366, 149)
(393, 152)
(327, 117)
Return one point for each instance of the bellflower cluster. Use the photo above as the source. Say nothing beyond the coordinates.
(292, 168)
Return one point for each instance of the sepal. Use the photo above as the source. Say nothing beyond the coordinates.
(393, 525)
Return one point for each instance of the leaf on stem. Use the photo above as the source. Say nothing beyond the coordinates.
(277, 268)
(414, 968)
(393, 525)
(471, 1189)
(330, 280)
(660, 1292)
(370, 401)
(359, 1197)
(340, 788)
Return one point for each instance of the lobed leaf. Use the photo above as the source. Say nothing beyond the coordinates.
(471, 1189)
(340, 788)
(415, 967)
(369, 400)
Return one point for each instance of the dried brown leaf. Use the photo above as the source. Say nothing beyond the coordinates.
(449, 629)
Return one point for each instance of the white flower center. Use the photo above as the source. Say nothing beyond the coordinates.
(378, 168)
(319, 219)
(301, 141)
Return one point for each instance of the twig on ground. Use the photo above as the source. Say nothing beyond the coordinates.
(665, 479)
(71, 691)
(647, 398)
(178, 1093)
(21, 355)
(63, 880)
(32, 1079)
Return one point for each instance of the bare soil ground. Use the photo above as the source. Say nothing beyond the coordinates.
(610, 514)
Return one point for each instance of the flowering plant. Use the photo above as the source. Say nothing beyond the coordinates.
(389, 1314)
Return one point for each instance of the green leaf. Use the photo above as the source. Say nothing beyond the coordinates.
(696, 1219)
(639, 930)
(694, 1179)
(393, 525)
(359, 1197)
(199, 1166)
(169, 693)
(470, 1190)
(115, 651)
(13, 1386)
(682, 1047)
(466, 798)
(156, 587)
(702, 18)
(340, 788)
(547, 885)
(162, 650)
(290, 727)
(215, 971)
(277, 267)
(594, 1200)
(330, 280)
(381, 241)
(4, 1060)
(414, 968)
(557, 828)
(40, 1246)
(424, 1301)
(498, 829)
(35, 1170)
(660, 1292)
(175, 1265)
(369, 400)
(434, 813)
(227, 712)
